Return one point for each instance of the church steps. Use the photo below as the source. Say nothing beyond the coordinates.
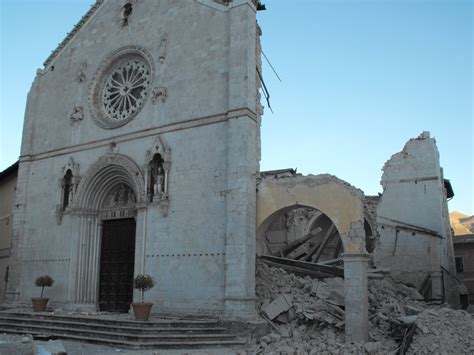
(157, 334)
(158, 323)
(138, 328)
(156, 344)
(143, 334)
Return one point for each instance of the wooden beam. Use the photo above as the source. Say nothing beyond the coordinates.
(329, 235)
(298, 242)
(318, 248)
(303, 265)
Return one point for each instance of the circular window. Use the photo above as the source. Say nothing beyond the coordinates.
(121, 87)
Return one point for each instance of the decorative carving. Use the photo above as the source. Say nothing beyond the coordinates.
(159, 94)
(77, 114)
(125, 13)
(120, 196)
(121, 86)
(162, 48)
(81, 73)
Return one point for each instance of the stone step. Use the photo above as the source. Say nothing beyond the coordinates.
(141, 328)
(28, 328)
(154, 334)
(157, 344)
(159, 323)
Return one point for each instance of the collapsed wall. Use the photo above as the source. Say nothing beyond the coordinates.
(312, 318)
(415, 239)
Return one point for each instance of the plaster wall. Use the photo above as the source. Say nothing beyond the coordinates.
(7, 195)
(342, 203)
(201, 247)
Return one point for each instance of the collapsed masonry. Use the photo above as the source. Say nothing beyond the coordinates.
(307, 317)
(312, 225)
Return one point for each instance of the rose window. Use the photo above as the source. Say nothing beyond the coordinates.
(121, 86)
(125, 90)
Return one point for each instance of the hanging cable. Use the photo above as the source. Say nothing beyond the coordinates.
(271, 66)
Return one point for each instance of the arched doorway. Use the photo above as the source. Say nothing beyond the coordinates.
(109, 219)
(117, 251)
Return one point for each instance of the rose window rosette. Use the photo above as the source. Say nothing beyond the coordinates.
(125, 90)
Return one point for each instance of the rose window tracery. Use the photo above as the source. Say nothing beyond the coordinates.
(126, 89)
(121, 86)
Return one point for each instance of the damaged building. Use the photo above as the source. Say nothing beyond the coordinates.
(406, 228)
(159, 163)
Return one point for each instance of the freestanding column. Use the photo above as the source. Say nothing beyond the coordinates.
(356, 297)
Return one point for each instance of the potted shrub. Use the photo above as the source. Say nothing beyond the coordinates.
(39, 304)
(142, 309)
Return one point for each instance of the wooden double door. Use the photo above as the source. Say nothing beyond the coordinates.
(117, 260)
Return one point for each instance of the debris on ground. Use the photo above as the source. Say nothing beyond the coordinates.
(310, 318)
(51, 347)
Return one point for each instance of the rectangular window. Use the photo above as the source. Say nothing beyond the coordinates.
(459, 264)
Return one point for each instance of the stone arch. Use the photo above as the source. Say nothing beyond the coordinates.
(338, 200)
(104, 176)
(344, 205)
(106, 173)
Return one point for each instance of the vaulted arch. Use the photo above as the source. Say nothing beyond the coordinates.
(344, 205)
(338, 200)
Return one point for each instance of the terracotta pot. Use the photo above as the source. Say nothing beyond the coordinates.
(39, 304)
(142, 310)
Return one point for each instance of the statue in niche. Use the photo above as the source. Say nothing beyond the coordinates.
(157, 177)
(67, 189)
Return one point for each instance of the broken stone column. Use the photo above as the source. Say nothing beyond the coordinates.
(356, 297)
(413, 222)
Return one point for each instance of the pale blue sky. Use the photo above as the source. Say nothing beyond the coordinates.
(359, 79)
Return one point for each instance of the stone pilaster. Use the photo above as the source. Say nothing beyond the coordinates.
(239, 298)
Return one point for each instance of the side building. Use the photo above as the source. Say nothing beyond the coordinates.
(7, 196)
(464, 256)
(140, 147)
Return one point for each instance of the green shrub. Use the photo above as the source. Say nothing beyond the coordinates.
(44, 281)
(143, 283)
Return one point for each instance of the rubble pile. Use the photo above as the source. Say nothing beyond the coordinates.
(443, 331)
(307, 316)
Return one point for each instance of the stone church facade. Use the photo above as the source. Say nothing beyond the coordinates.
(140, 148)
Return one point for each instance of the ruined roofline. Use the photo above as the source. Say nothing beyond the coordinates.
(266, 173)
(461, 239)
(309, 179)
(83, 21)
